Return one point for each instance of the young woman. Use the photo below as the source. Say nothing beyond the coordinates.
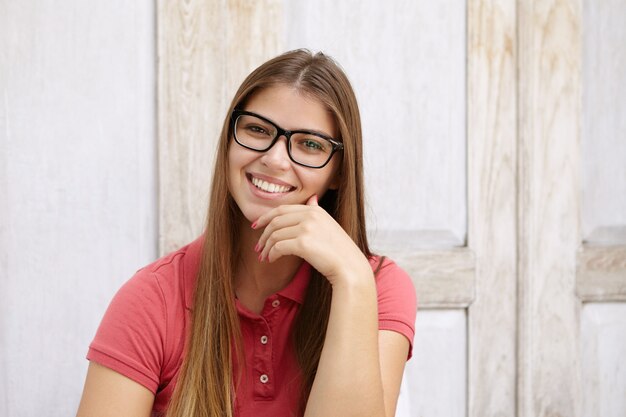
(280, 308)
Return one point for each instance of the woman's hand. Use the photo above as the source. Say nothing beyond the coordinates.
(309, 232)
(351, 379)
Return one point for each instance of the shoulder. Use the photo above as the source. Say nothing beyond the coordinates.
(172, 276)
(390, 275)
(157, 295)
(397, 300)
(152, 293)
(140, 333)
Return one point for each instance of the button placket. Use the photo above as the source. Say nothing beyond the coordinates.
(263, 387)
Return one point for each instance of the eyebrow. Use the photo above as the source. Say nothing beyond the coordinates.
(304, 129)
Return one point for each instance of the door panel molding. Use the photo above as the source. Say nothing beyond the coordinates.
(442, 279)
(601, 273)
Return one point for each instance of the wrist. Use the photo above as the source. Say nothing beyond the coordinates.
(356, 275)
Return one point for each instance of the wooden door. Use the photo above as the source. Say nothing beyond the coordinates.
(436, 87)
(572, 208)
(472, 126)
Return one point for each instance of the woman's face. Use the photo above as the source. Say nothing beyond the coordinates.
(292, 183)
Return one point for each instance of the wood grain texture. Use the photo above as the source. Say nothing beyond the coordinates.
(549, 112)
(205, 50)
(601, 273)
(442, 279)
(492, 207)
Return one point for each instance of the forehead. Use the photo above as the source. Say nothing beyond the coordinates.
(292, 109)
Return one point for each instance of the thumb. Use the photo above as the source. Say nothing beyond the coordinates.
(312, 201)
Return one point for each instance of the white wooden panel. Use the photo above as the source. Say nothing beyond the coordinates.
(492, 210)
(549, 45)
(603, 333)
(205, 50)
(434, 383)
(77, 185)
(604, 121)
(406, 60)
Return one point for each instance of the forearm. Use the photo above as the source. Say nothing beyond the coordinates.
(348, 379)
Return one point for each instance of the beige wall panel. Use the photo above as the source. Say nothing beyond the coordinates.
(549, 100)
(205, 50)
(603, 137)
(406, 60)
(603, 333)
(492, 207)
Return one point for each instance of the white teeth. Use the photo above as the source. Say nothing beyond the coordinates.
(269, 187)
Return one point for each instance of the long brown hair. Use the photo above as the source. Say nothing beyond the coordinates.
(206, 383)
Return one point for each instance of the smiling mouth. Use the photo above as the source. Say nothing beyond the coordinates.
(269, 187)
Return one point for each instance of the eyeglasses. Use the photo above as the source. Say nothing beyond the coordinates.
(306, 148)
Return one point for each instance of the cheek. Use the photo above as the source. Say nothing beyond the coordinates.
(319, 182)
(236, 159)
(232, 154)
(333, 174)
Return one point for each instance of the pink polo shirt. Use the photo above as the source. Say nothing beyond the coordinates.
(142, 333)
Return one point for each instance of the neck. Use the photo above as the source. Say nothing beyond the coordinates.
(254, 280)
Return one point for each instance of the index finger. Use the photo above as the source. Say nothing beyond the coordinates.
(277, 211)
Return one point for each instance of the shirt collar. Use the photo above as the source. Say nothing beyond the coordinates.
(295, 290)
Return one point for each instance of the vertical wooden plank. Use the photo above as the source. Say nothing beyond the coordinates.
(549, 107)
(205, 49)
(491, 186)
(190, 50)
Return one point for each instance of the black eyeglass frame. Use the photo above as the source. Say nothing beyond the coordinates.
(336, 146)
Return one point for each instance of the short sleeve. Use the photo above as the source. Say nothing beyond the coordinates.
(131, 337)
(397, 301)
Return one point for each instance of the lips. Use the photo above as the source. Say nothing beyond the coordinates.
(269, 186)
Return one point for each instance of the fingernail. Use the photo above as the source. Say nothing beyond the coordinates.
(253, 225)
(256, 247)
(260, 257)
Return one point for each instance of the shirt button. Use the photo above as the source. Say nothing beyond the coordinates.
(275, 303)
(264, 378)
(264, 340)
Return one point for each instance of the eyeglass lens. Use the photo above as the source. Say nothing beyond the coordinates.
(304, 148)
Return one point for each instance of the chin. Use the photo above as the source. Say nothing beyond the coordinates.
(251, 214)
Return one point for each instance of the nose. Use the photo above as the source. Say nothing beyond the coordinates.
(277, 157)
